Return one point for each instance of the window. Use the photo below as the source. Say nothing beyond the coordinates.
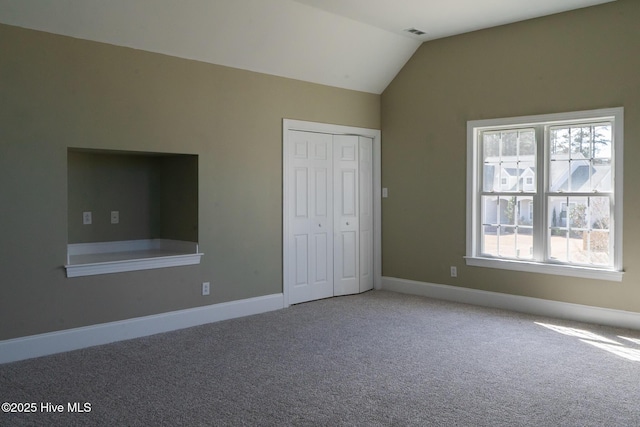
(544, 193)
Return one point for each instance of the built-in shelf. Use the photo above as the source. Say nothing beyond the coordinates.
(88, 259)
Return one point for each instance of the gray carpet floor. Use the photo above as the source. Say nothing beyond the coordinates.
(375, 359)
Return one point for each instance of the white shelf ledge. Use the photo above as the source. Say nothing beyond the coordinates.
(88, 259)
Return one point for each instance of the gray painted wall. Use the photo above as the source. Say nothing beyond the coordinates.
(58, 92)
(580, 60)
(156, 196)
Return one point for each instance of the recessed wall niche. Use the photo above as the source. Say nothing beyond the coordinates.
(143, 211)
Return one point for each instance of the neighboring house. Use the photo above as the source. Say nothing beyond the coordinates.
(578, 175)
(517, 175)
(509, 174)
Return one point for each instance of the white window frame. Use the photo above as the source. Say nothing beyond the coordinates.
(474, 209)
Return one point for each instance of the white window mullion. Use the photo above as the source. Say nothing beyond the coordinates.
(474, 193)
(540, 226)
(616, 198)
(613, 235)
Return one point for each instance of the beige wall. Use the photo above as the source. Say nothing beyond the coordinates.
(156, 195)
(580, 60)
(179, 198)
(59, 92)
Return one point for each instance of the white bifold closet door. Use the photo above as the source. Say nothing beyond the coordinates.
(330, 215)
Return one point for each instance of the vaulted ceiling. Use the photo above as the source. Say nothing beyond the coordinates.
(353, 44)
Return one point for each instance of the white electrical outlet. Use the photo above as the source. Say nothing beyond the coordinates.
(385, 193)
(86, 218)
(115, 217)
(205, 288)
(454, 271)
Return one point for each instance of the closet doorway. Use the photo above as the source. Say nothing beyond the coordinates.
(331, 210)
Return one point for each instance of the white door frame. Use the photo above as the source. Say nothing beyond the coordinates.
(287, 125)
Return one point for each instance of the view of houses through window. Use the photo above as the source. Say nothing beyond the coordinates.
(575, 189)
(509, 168)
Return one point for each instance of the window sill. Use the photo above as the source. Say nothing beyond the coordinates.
(89, 259)
(555, 269)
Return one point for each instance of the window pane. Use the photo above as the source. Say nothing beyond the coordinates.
(581, 142)
(598, 242)
(491, 179)
(490, 225)
(510, 174)
(580, 158)
(558, 246)
(558, 228)
(579, 230)
(508, 160)
(577, 252)
(527, 181)
(507, 226)
(507, 242)
(490, 210)
(557, 212)
(491, 144)
(525, 243)
(527, 143)
(559, 173)
(599, 246)
(601, 176)
(600, 213)
(510, 143)
(578, 215)
(560, 141)
(602, 141)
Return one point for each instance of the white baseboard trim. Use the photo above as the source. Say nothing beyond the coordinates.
(72, 339)
(536, 306)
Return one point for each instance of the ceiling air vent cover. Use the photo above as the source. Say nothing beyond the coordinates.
(415, 31)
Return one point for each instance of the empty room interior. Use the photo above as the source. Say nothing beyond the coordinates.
(172, 165)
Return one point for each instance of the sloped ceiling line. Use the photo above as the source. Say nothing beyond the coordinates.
(353, 44)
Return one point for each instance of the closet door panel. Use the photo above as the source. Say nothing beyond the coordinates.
(346, 225)
(329, 215)
(310, 216)
(365, 166)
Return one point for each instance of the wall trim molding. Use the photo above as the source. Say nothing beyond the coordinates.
(73, 339)
(529, 305)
